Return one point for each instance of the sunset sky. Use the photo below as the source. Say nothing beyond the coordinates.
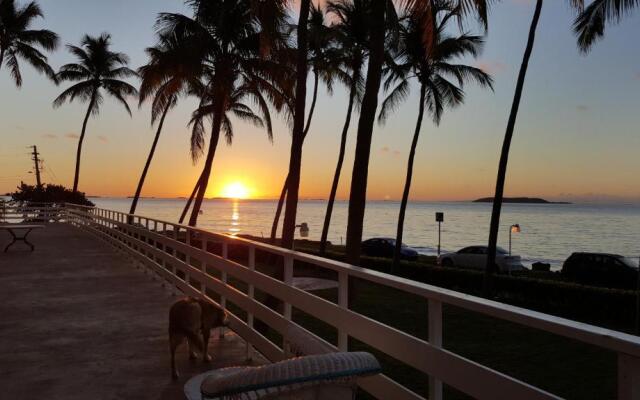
(577, 136)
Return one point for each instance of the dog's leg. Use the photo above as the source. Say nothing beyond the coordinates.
(205, 348)
(174, 341)
(193, 355)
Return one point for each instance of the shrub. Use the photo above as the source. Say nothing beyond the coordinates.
(55, 194)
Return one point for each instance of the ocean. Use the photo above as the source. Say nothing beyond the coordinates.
(549, 232)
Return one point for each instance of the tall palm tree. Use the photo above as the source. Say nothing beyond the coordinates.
(98, 70)
(357, 197)
(18, 41)
(590, 24)
(297, 136)
(325, 68)
(351, 35)
(230, 41)
(165, 78)
(382, 18)
(491, 267)
(434, 68)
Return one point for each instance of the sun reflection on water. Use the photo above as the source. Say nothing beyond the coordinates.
(235, 218)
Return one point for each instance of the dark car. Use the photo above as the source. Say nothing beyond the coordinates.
(601, 269)
(384, 247)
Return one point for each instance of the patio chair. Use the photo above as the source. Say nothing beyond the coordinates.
(325, 375)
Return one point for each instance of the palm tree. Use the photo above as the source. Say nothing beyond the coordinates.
(590, 24)
(589, 27)
(18, 41)
(382, 16)
(432, 68)
(297, 136)
(325, 67)
(230, 43)
(491, 267)
(352, 35)
(164, 78)
(99, 70)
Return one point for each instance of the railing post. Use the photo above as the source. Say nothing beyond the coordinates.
(343, 301)
(187, 256)
(628, 377)
(223, 300)
(203, 267)
(251, 294)
(435, 339)
(288, 279)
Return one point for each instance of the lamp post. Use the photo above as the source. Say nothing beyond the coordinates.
(439, 220)
(515, 228)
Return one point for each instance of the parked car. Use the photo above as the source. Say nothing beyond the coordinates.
(384, 247)
(601, 269)
(476, 257)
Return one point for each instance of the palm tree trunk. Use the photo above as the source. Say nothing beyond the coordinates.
(276, 218)
(490, 268)
(297, 140)
(79, 151)
(1, 58)
(206, 172)
(283, 193)
(193, 194)
(407, 183)
(136, 197)
(336, 175)
(314, 98)
(358, 196)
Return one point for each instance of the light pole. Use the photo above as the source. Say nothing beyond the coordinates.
(515, 228)
(439, 220)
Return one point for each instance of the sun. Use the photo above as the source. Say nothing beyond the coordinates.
(235, 190)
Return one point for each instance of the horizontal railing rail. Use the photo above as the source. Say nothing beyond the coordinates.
(44, 212)
(180, 255)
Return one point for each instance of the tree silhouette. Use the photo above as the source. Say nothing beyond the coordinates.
(99, 70)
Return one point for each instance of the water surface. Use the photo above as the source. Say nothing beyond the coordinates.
(550, 232)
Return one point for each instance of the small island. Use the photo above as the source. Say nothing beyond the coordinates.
(520, 200)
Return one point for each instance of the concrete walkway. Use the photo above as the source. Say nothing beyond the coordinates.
(79, 321)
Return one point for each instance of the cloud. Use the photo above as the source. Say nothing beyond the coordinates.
(50, 136)
(387, 150)
(72, 136)
(636, 76)
(582, 108)
(103, 139)
(492, 67)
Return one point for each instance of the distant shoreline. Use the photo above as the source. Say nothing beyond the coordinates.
(521, 200)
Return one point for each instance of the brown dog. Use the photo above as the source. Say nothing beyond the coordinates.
(193, 319)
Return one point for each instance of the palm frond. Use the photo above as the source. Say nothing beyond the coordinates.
(227, 129)
(590, 24)
(14, 67)
(393, 100)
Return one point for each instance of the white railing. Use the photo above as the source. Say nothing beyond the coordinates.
(36, 212)
(170, 250)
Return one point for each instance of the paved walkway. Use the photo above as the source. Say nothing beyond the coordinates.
(78, 321)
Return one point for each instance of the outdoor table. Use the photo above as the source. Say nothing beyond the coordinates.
(13, 230)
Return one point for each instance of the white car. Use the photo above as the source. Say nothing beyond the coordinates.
(476, 257)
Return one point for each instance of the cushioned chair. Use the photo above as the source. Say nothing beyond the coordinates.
(320, 376)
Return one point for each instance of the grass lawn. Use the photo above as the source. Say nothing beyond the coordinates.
(564, 367)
